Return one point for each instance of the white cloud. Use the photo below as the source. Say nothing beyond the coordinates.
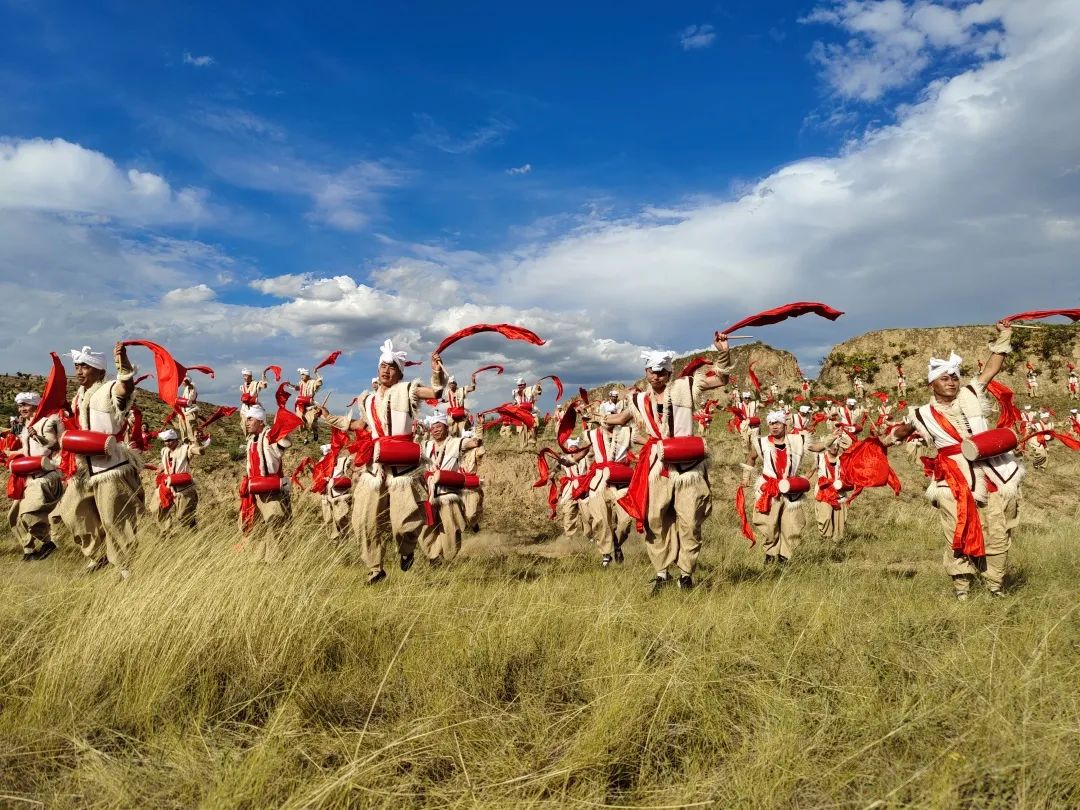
(523, 169)
(198, 61)
(433, 134)
(187, 296)
(892, 42)
(694, 37)
(63, 177)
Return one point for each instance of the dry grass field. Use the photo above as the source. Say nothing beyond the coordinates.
(524, 675)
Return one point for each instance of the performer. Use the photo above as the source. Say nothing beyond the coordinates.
(1037, 445)
(387, 497)
(749, 409)
(830, 495)
(1027, 417)
(801, 422)
(849, 417)
(774, 391)
(441, 539)
(336, 501)
(963, 490)
(187, 410)
(35, 492)
(473, 498)
(526, 397)
(575, 520)
(1032, 381)
(178, 498)
(606, 481)
(1072, 387)
(860, 388)
(456, 408)
(265, 505)
(901, 383)
(1074, 420)
(249, 393)
(804, 386)
(305, 402)
(778, 517)
(103, 500)
(612, 405)
(672, 498)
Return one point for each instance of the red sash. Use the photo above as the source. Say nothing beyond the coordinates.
(968, 537)
(771, 488)
(247, 500)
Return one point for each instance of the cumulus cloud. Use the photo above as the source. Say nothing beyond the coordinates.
(695, 37)
(59, 176)
(523, 169)
(198, 61)
(186, 296)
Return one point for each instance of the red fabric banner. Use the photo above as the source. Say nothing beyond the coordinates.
(169, 372)
(507, 330)
(330, 360)
(778, 314)
(1008, 413)
(285, 422)
(744, 521)
(276, 371)
(1038, 314)
(54, 395)
(754, 381)
(558, 385)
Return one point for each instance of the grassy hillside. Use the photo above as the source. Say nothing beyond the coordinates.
(526, 676)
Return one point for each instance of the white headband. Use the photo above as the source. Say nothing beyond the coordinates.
(325, 448)
(746, 395)
(658, 360)
(256, 412)
(168, 435)
(388, 355)
(939, 368)
(774, 417)
(303, 371)
(572, 443)
(852, 401)
(438, 418)
(804, 409)
(374, 379)
(246, 371)
(88, 357)
(27, 398)
(466, 434)
(1044, 415)
(519, 381)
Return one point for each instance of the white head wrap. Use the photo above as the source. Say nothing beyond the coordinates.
(1027, 407)
(388, 355)
(804, 409)
(451, 379)
(466, 434)
(746, 395)
(325, 448)
(27, 398)
(1044, 415)
(374, 380)
(246, 371)
(438, 418)
(256, 412)
(775, 416)
(1073, 410)
(612, 393)
(169, 435)
(303, 372)
(852, 401)
(88, 357)
(519, 381)
(939, 368)
(573, 444)
(658, 360)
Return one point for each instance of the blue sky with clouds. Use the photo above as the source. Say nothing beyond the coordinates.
(258, 183)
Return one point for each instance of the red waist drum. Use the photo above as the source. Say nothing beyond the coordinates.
(264, 484)
(454, 479)
(26, 465)
(342, 482)
(181, 402)
(754, 421)
(457, 414)
(88, 442)
(619, 475)
(180, 480)
(988, 444)
(682, 449)
(303, 402)
(795, 485)
(397, 452)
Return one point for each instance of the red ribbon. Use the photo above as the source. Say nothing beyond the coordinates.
(507, 330)
(1038, 314)
(744, 521)
(778, 314)
(330, 360)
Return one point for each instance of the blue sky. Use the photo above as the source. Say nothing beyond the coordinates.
(272, 182)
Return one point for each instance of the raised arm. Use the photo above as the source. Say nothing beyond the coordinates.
(438, 380)
(1001, 346)
(721, 367)
(124, 372)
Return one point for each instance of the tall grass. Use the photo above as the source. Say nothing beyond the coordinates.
(513, 680)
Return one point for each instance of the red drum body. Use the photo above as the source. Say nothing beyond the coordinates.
(27, 465)
(988, 444)
(264, 484)
(397, 452)
(457, 414)
(180, 480)
(795, 485)
(453, 479)
(754, 421)
(248, 399)
(619, 475)
(87, 442)
(303, 402)
(682, 449)
(342, 482)
(181, 402)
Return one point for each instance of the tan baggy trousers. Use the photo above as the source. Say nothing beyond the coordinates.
(336, 512)
(104, 510)
(678, 506)
(29, 517)
(609, 522)
(181, 515)
(999, 517)
(443, 540)
(473, 500)
(831, 522)
(780, 529)
(573, 518)
(387, 508)
(266, 540)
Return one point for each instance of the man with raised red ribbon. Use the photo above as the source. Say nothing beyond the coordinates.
(249, 392)
(669, 499)
(963, 490)
(525, 396)
(265, 501)
(306, 390)
(177, 496)
(388, 496)
(441, 538)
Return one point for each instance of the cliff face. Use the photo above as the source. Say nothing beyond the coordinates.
(1047, 348)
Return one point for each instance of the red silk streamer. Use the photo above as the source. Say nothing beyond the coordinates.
(567, 423)
(136, 438)
(496, 368)
(330, 360)
(1068, 441)
(771, 316)
(881, 396)
(141, 379)
(544, 478)
(1038, 314)
(693, 366)
(169, 372)
(285, 422)
(558, 385)
(754, 381)
(54, 395)
(517, 414)
(363, 448)
(164, 492)
(636, 500)
(220, 413)
(744, 521)
(1008, 413)
(507, 330)
(203, 370)
(276, 371)
(294, 479)
(584, 395)
(411, 363)
(323, 470)
(866, 464)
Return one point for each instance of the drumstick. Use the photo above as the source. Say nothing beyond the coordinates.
(740, 337)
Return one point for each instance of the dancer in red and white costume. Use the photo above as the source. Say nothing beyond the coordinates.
(335, 501)
(177, 497)
(1072, 386)
(266, 513)
(901, 383)
(526, 396)
(1037, 445)
(671, 499)
(441, 539)
(964, 491)
(606, 481)
(456, 398)
(306, 407)
(249, 392)
(35, 492)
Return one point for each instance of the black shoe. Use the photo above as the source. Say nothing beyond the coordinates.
(686, 582)
(376, 577)
(47, 548)
(28, 556)
(407, 561)
(618, 555)
(659, 582)
(97, 565)
(476, 528)
(605, 561)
